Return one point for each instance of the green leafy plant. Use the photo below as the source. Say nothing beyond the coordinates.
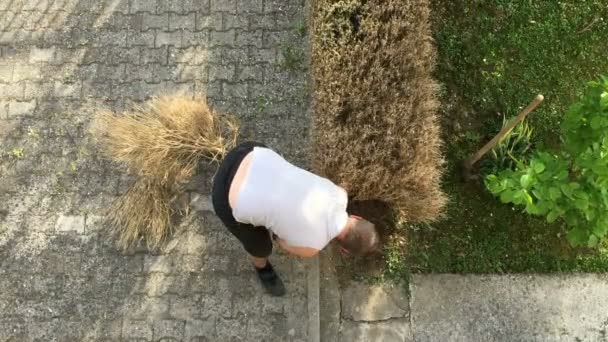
(293, 58)
(17, 153)
(571, 185)
(515, 145)
(301, 29)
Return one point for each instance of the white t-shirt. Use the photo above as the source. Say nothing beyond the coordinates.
(300, 207)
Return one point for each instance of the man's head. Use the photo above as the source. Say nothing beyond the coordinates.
(360, 237)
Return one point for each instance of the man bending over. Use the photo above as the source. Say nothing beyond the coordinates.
(258, 195)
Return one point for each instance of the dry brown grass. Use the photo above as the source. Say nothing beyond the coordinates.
(376, 131)
(162, 141)
(167, 137)
(145, 210)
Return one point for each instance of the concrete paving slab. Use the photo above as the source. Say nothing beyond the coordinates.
(571, 307)
(363, 302)
(397, 330)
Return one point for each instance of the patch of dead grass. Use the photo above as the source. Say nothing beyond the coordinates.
(376, 130)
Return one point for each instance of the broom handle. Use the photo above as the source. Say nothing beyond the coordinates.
(474, 158)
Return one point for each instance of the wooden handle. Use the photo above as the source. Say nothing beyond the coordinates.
(532, 106)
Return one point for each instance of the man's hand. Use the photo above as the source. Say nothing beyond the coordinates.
(303, 252)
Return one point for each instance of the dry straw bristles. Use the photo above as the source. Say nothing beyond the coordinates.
(144, 210)
(167, 137)
(376, 131)
(162, 141)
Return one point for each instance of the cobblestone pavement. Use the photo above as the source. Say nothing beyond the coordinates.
(60, 278)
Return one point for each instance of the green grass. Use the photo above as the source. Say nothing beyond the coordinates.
(293, 58)
(496, 55)
(493, 58)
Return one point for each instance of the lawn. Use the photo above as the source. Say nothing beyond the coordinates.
(493, 58)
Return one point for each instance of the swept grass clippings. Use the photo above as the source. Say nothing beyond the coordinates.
(376, 131)
(162, 141)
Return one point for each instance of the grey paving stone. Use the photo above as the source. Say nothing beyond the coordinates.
(155, 21)
(41, 55)
(209, 22)
(106, 329)
(201, 202)
(137, 329)
(3, 115)
(69, 90)
(139, 307)
(222, 38)
(13, 331)
(143, 6)
(234, 21)
(192, 73)
(236, 90)
(249, 38)
(195, 39)
(232, 328)
(362, 302)
(119, 55)
(12, 91)
(227, 55)
(228, 6)
(510, 307)
(204, 328)
(136, 38)
(70, 224)
(185, 308)
(250, 6)
(182, 21)
(21, 108)
(168, 39)
(6, 73)
(154, 55)
(223, 72)
(262, 22)
(169, 329)
(386, 331)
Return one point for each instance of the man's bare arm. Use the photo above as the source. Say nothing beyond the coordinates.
(303, 252)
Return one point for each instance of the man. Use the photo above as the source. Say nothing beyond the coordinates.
(257, 193)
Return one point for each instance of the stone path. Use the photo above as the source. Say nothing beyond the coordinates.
(547, 308)
(446, 307)
(60, 279)
(359, 312)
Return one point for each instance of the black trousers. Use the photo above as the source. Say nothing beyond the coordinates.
(256, 240)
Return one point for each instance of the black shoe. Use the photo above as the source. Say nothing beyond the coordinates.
(271, 281)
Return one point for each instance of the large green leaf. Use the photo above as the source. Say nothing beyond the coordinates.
(552, 216)
(525, 181)
(593, 241)
(577, 236)
(537, 166)
(507, 196)
(555, 193)
(604, 100)
(563, 174)
(581, 204)
(527, 197)
(600, 229)
(571, 218)
(596, 122)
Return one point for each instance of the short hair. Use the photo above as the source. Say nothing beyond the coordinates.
(361, 239)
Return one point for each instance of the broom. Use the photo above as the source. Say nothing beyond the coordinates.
(162, 142)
